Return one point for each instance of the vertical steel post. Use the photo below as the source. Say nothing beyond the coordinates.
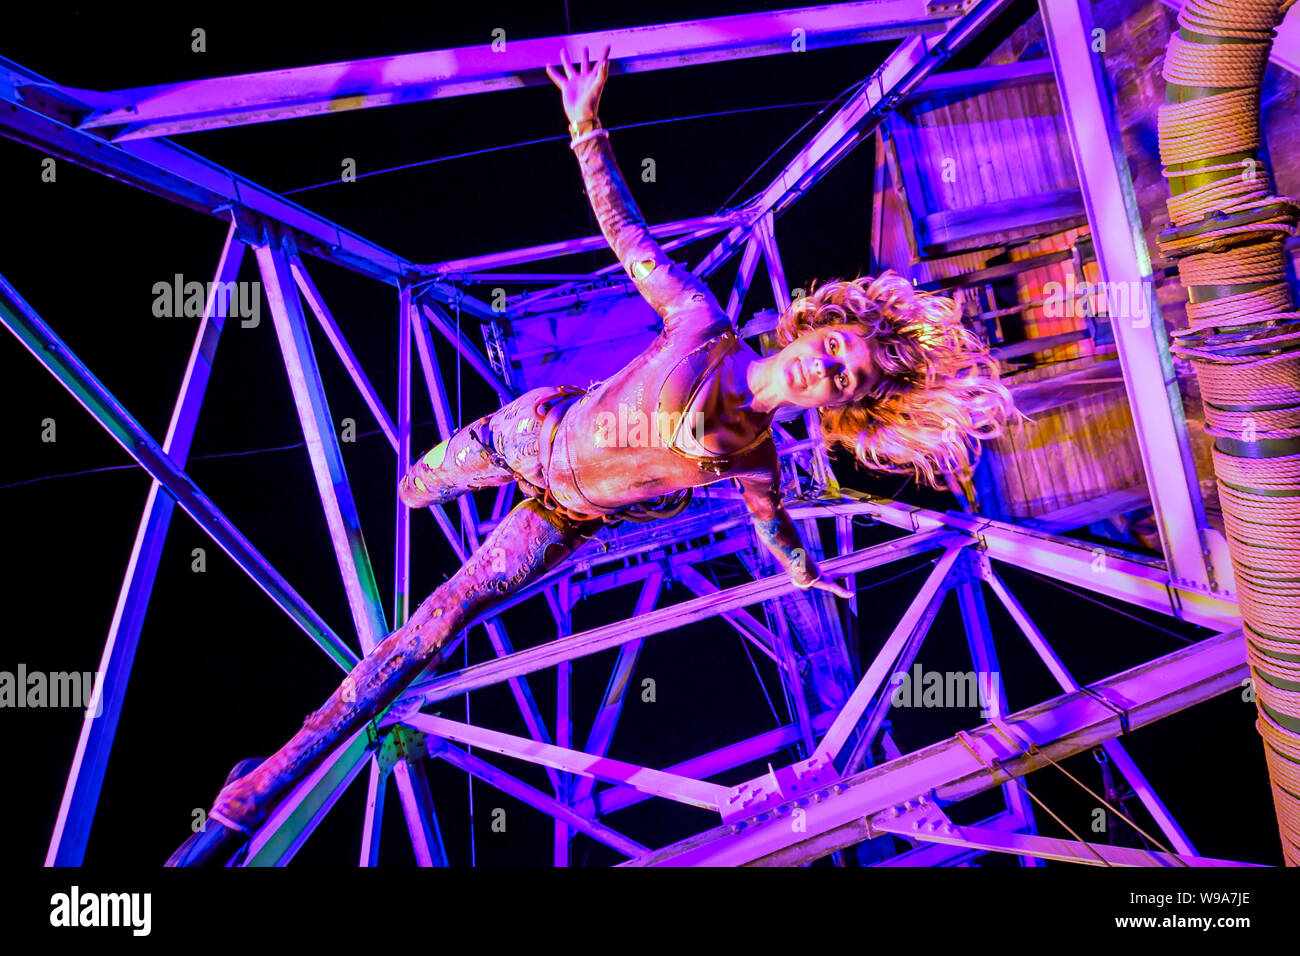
(602, 728)
(1118, 754)
(1116, 225)
(322, 443)
(469, 523)
(86, 775)
(979, 638)
(563, 714)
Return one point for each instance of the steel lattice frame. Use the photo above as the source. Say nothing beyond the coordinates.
(837, 714)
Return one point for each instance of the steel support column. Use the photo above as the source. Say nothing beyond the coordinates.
(1116, 226)
(51, 351)
(90, 760)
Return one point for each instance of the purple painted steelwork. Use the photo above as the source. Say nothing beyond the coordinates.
(322, 446)
(664, 619)
(899, 653)
(611, 706)
(172, 172)
(472, 356)
(744, 277)
(1045, 848)
(950, 770)
(421, 821)
(903, 70)
(696, 793)
(53, 353)
(402, 559)
(1114, 749)
(746, 626)
(1115, 223)
(326, 318)
(874, 679)
(496, 64)
(535, 798)
(90, 760)
(710, 764)
(373, 822)
(561, 608)
(696, 227)
(1129, 578)
(984, 657)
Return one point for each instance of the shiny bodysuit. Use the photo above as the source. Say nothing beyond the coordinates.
(683, 387)
(580, 467)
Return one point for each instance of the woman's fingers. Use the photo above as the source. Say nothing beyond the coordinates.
(555, 77)
(586, 60)
(564, 62)
(838, 590)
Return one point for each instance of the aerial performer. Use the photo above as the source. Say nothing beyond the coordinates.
(896, 379)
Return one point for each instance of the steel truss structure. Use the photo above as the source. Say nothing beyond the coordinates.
(837, 794)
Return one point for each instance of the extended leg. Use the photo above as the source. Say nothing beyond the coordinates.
(462, 463)
(529, 542)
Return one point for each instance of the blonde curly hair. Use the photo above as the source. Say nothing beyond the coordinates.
(940, 395)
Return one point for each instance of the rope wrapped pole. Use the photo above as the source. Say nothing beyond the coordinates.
(1227, 231)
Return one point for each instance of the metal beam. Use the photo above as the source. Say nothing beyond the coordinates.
(344, 351)
(611, 706)
(51, 351)
(664, 619)
(903, 70)
(318, 429)
(907, 633)
(1114, 749)
(44, 115)
(1100, 570)
(535, 798)
(962, 766)
(468, 351)
(421, 820)
(1115, 222)
(498, 63)
(696, 793)
(1046, 848)
(86, 776)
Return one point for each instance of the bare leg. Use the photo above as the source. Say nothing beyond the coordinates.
(529, 542)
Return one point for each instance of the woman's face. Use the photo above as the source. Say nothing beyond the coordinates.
(823, 368)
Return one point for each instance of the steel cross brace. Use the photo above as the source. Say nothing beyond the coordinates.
(1115, 223)
(498, 63)
(86, 776)
(1134, 579)
(924, 821)
(959, 767)
(1114, 749)
(614, 635)
(903, 70)
(696, 793)
(341, 514)
(71, 372)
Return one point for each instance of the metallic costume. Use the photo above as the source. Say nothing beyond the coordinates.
(557, 444)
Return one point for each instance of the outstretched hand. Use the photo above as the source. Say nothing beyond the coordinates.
(580, 88)
(839, 590)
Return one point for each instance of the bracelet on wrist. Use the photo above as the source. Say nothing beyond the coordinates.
(578, 127)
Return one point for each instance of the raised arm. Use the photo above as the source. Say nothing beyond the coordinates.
(668, 287)
(762, 496)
